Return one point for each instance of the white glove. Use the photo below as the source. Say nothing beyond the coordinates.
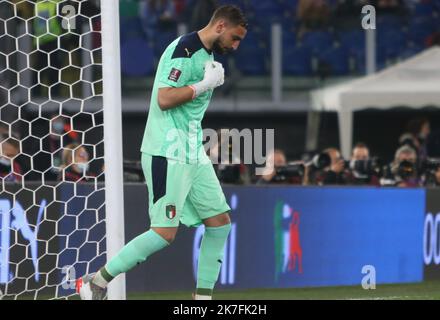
(213, 78)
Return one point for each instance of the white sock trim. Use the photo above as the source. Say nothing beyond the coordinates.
(202, 297)
(99, 280)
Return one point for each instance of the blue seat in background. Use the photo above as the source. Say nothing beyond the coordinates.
(252, 40)
(137, 58)
(250, 58)
(360, 63)
(353, 41)
(238, 3)
(297, 61)
(336, 59)
(130, 28)
(289, 4)
(420, 28)
(392, 41)
(424, 9)
(288, 39)
(318, 41)
(410, 51)
(265, 9)
(162, 40)
(389, 21)
(251, 62)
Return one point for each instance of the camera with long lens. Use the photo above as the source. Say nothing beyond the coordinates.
(428, 168)
(320, 161)
(394, 173)
(365, 168)
(288, 172)
(406, 169)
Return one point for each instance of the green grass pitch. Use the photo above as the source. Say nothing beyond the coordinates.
(428, 290)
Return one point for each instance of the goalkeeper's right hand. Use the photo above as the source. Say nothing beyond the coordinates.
(213, 78)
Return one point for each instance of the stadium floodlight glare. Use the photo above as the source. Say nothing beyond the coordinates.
(60, 101)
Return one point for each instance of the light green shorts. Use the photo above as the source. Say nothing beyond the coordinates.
(183, 192)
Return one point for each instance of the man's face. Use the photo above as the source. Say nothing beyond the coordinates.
(360, 154)
(335, 156)
(81, 156)
(425, 130)
(279, 160)
(408, 156)
(9, 150)
(229, 38)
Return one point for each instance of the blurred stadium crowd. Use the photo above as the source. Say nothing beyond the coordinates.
(322, 36)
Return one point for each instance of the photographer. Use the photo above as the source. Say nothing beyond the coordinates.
(10, 169)
(416, 136)
(363, 169)
(275, 160)
(334, 173)
(402, 172)
(430, 172)
(435, 180)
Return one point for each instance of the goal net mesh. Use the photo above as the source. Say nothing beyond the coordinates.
(52, 217)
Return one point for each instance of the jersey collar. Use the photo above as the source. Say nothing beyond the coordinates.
(199, 42)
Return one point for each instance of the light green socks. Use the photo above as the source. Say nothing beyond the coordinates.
(134, 252)
(210, 258)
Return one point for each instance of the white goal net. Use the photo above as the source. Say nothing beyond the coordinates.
(53, 224)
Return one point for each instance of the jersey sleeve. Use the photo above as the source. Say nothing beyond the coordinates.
(176, 72)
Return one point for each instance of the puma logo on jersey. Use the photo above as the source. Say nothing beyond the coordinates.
(188, 53)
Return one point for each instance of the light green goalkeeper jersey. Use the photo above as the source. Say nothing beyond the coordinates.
(177, 133)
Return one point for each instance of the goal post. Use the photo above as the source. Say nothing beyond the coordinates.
(114, 193)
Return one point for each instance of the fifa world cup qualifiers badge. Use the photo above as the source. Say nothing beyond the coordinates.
(174, 75)
(170, 211)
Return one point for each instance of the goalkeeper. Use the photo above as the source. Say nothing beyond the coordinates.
(180, 178)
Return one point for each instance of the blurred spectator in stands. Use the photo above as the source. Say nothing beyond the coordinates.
(433, 39)
(335, 172)
(404, 168)
(274, 160)
(61, 134)
(158, 15)
(10, 169)
(88, 15)
(389, 7)
(47, 27)
(361, 174)
(179, 6)
(200, 12)
(313, 15)
(4, 129)
(416, 136)
(432, 180)
(347, 14)
(75, 165)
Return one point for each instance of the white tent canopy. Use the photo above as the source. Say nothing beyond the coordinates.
(413, 83)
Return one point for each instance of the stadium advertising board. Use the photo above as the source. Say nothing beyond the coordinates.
(431, 235)
(297, 237)
(28, 247)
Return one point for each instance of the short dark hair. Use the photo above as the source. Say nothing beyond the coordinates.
(232, 14)
(360, 145)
